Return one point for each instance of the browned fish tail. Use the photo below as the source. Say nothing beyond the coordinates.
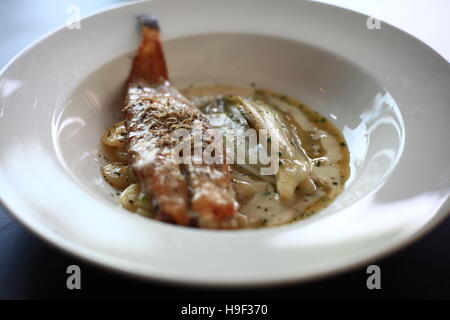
(149, 65)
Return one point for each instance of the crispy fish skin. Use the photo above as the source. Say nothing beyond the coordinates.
(148, 115)
(149, 65)
(187, 194)
(212, 193)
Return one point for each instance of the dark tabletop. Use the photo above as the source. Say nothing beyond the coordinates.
(31, 269)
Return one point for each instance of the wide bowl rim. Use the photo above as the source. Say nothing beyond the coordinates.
(91, 256)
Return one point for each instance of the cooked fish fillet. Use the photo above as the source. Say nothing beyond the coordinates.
(186, 194)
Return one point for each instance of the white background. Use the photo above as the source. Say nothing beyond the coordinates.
(24, 21)
(427, 20)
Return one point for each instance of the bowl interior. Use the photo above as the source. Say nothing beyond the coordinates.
(361, 108)
(58, 96)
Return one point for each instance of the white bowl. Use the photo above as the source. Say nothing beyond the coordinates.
(387, 91)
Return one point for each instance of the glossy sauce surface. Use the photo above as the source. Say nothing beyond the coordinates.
(259, 199)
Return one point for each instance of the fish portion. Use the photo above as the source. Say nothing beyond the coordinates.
(243, 127)
(186, 194)
(149, 65)
(148, 114)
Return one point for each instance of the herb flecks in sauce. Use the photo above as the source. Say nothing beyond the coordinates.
(318, 137)
(258, 196)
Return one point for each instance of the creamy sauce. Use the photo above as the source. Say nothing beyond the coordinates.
(321, 143)
(321, 140)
